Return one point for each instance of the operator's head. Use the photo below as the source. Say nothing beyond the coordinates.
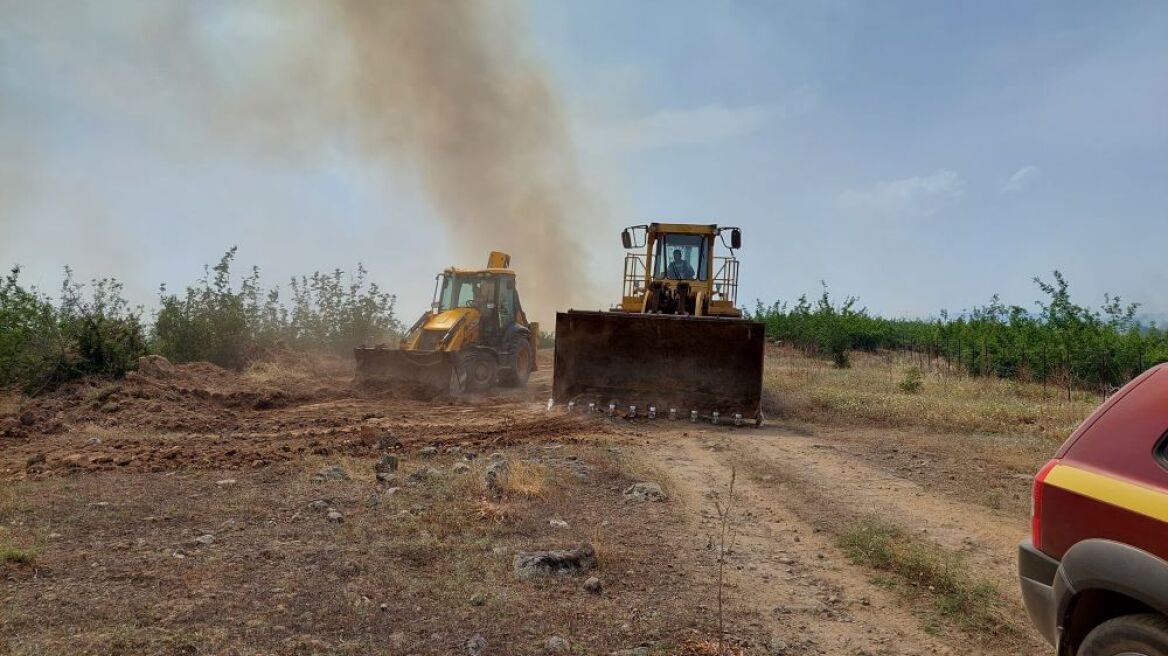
(677, 255)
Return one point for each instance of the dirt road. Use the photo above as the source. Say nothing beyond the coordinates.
(121, 464)
(795, 493)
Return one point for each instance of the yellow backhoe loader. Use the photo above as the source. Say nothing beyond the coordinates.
(474, 336)
(677, 345)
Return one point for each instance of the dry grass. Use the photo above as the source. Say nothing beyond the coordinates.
(808, 389)
(708, 647)
(10, 553)
(396, 576)
(926, 573)
(10, 402)
(529, 480)
(287, 367)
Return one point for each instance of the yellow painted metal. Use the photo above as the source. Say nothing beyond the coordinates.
(719, 287)
(442, 338)
(498, 260)
(683, 228)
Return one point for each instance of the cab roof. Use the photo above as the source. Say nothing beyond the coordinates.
(685, 228)
(494, 272)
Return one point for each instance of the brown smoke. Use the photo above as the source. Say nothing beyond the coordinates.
(443, 87)
(446, 84)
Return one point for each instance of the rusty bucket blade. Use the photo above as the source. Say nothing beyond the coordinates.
(702, 364)
(420, 374)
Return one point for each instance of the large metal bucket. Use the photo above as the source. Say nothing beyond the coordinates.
(417, 373)
(668, 362)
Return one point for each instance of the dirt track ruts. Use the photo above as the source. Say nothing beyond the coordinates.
(792, 572)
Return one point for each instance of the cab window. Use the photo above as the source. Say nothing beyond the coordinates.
(507, 303)
(681, 257)
(462, 291)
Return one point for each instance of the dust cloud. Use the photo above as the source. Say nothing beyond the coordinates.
(447, 94)
(446, 84)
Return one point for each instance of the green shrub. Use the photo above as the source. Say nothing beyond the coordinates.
(43, 344)
(546, 339)
(213, 321)
(205, 323)
(913, 381)
(1059, 341)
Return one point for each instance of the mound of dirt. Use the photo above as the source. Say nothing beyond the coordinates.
(168, 417)
(195, 397)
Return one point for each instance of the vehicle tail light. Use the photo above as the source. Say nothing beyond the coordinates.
(1036, 503)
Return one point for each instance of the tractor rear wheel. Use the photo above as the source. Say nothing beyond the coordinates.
(479, 370)
(517, 376)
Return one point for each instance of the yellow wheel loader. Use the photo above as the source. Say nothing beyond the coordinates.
(474, 336)
(677, 345)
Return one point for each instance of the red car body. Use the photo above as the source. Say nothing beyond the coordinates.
(1098, 548)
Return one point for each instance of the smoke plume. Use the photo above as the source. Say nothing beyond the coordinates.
(445, 84)
(445, 92)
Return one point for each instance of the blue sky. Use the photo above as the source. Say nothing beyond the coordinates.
(920, 155)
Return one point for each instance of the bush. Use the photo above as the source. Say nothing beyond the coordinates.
(213, 321)
(913, 381)
(546, 339)
(206, 323)
(43, 344)
(1058, 341)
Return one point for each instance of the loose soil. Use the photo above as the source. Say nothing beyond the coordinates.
(109, 485)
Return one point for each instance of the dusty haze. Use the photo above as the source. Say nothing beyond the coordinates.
(447, 86)
(443, 93)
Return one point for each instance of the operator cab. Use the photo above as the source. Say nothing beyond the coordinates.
(678, 272)
(492, 294)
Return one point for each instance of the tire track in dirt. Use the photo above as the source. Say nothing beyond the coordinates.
(837, 477)
(818, 482)
(784, 570)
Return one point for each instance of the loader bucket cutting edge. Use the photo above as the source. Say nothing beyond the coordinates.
(701, 364)
(419, 373)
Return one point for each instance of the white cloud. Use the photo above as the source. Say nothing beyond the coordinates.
(709, 124)
(908, 197)
(1021, 179)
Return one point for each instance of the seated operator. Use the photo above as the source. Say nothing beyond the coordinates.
(679, 269)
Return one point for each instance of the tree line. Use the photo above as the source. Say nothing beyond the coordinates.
(1056, 340)
(91, 329)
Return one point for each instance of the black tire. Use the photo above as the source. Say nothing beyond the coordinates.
(517, 375)
(479, 370)
(1134, 635)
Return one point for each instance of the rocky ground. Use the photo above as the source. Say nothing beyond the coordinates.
(189, 510)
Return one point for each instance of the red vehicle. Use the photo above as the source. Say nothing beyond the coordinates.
(1094, 571)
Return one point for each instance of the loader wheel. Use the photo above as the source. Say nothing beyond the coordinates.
(518, 376)
(480, 370)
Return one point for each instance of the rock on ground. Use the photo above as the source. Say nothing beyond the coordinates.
(556, 645)
(476, 645)
(385, 464)
(593, 585)
(332, 473)
(551, 563)
(422, 475)
(646, 491)
(154, 366)
(495, 477)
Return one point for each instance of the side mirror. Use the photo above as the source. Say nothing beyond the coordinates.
(736, 239)
(626, 239)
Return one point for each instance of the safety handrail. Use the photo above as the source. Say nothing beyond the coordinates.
(726, 279)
